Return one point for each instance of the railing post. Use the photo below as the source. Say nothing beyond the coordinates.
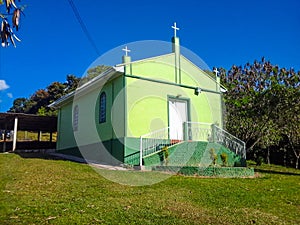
(185, 130)
(141, 151)
(213, 133)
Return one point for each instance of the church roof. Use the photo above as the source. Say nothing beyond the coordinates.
(107, 74)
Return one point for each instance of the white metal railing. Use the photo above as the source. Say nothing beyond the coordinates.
(193, 131)
(153, 142)
(210, 132)
(228, 140)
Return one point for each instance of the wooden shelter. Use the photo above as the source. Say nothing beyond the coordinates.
(25, 122)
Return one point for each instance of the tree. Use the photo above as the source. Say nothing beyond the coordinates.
(7, 31)
(39, 101)
(18, 105)
(258, 95)
(55, 90)
(289, 118)
(71, 83)
(93, 72)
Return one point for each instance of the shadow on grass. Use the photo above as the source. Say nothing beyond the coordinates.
(38, 155)
(49, 156)
(275, 172)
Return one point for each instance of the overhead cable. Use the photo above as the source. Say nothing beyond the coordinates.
(83, 27)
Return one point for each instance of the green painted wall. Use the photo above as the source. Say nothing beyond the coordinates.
(65, 137)
(90, 131)
(114, 127)
(106, 152)
(147, 102)
(104, 130)
(192, 75)
(118, 108)
(132, 145)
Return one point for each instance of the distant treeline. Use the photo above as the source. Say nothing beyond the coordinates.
(39, 101)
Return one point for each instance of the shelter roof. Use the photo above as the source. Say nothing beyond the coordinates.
(28, 122)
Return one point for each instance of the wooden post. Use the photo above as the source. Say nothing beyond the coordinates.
(15, 134)
(40, 136)
(4, 138)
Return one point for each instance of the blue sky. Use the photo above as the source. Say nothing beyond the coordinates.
(221, 32)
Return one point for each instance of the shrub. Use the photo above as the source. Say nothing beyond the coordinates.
(166, 154)
(224, 158)
(259, 160)
(213, 156)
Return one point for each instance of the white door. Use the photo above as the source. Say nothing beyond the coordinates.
(178, 114)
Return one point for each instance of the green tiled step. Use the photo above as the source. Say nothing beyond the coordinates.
(193, 154)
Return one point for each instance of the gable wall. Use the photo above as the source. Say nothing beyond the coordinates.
(147, 102)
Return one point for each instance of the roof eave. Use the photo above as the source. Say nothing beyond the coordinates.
(69, 97)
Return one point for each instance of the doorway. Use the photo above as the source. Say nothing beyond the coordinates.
(178, 115)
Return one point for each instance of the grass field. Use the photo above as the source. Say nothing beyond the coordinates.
(26, 135)
(40, 191)
(32, 136)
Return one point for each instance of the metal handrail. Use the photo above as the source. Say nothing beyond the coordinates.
(193, 131)
(153, 142)
(230, 141)
(217, 135)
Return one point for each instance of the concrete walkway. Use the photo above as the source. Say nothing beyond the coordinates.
(90, 162)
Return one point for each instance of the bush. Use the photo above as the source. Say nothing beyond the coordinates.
(213, 156)
(224, 158)
(259, 160)
(166, 154)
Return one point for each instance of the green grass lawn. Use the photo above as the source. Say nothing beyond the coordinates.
(40, 191)
(33, 136)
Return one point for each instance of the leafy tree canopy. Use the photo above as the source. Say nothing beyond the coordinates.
(260, 97)
(38, 102)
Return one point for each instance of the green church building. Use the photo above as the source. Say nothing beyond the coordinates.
(134, 112)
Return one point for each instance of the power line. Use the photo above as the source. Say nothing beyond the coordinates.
(83, 27)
